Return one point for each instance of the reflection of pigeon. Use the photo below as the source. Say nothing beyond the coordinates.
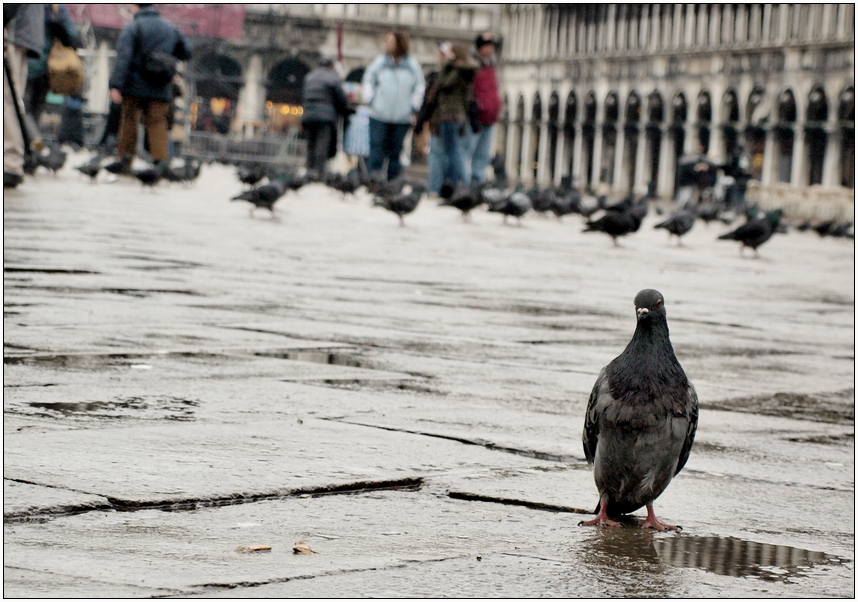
(680, 223)
(515, 205)
(641, 419)
(264, 196)
(401, 204)
(756, 231)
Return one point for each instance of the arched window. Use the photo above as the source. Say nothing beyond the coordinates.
(817, 105)
(704, 107)
(730, 107)
(570, 114)
(846, 110)
(784, 133)
(656, 107)
(612, 107)
(609, 138)
(680, 108)
(286, 81)
(553, 131)
(633, 107)
(519, 132)
(590, 108)
(816, 137)
(217, 80)
(787, 112)
(846, 117)
(535, 132)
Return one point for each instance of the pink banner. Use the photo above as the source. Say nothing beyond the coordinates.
(224, 21)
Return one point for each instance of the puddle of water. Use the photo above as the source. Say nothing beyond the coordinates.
(727, 556)
(835, 407)
(145, 408)
(317, 356)
(46, 271)
(740, 558)
(74, 361)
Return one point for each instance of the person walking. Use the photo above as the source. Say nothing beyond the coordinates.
(142, 80)
(24, 37)
(453, 91)
(393, 87)
(324, 103)
(477, 144)
(436, 156)
(59, 26)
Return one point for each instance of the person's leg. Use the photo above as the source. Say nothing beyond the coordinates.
(155, 121)
(323, 145)
(377, 132)
(13, 139)
(481, 153)
(127, 144)
(396, 136)
(34, 97)
(466, 152)
(437, 162)
(450, 140)
(311, 131)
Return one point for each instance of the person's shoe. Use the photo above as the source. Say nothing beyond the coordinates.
(11, 180)
(120, 167)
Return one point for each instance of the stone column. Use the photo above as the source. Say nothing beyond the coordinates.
(578, 154)
(643, 161)
(621, 174)
(251, 97)
(769, 159)
(597, 155)
(543, 170)
(525, 170)
(798, 177)
(831, 162)
(716, 143)
(692, 139)
(666, 165)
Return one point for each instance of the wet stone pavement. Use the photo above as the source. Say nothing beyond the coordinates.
(184, 383)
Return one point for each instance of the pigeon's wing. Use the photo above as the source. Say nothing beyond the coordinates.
(591, 420)
(693, 411)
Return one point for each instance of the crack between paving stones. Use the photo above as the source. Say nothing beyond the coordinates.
(473, 497)
(168, 591)
(120, 505)
(487, 444)
(398, 565)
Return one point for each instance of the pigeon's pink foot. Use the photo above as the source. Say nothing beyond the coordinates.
(601, 519)
(651, 522)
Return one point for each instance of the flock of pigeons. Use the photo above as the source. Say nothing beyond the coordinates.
(266, 184)
(616, 220)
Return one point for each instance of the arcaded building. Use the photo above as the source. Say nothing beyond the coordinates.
(613, 94)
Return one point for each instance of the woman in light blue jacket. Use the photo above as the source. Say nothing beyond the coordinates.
(393, 87)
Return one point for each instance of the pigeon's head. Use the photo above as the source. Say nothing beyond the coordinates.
(648, 304)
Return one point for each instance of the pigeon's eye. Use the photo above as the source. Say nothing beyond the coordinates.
(658, 303)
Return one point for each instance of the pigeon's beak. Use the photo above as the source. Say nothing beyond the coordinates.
(642, 311)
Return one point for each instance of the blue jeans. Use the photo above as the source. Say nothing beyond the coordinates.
(449, 134)
(385, 142)
(437, 162)
(477, 149)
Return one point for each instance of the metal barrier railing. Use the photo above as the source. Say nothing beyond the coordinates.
(287, 149)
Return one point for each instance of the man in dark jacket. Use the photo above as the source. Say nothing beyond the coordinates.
(134, 84)
(477, 145)
(324, 103)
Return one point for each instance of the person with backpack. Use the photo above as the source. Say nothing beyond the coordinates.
(480, 127)
(324, 103)
(147, 53)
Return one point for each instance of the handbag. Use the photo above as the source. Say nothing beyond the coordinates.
(65, 70)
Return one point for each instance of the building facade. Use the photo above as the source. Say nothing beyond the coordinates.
(613, 94)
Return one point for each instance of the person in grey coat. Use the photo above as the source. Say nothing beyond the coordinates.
(324, 103)
(24, 27)
(137, 90)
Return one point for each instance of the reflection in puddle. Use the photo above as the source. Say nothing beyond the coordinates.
(633, 548)
(739, 558)
(318, 357)
(153, 408)
(82, 361)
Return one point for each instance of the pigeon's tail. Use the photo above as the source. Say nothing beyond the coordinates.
(244, 196)
(728, 236)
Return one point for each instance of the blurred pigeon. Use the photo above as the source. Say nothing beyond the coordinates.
(616, 224)
(91, 168)
(264, 196)
(680, 223)
(515, 205)
(564, 204)
(149, 176)
(401, 203)
(186, 173)
(465, 198)
(251, 173)
(346, 184)
(54, 160)
(756, 231)
(641, 420)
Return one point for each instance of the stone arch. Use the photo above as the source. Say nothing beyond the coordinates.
(217, 75)
(846, 105)
(609, 138)
(518, 141)
(653, 136)
(588, 133)
(816, 138)
(704, 107)
(355, 75)
(634, 108)
(730, 107)
(656, 107)
(757, 110)
(784, 135)
(612, 107)
(846, 117)
(680, 108)
(787, 110)
(286, 81)
(590, 108)
(817, 104)
(535, 133)
(570, 115)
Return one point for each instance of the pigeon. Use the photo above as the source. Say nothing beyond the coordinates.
(515, 205)
(252, 174)
(264, 196)
(54, 160)
(756, 231)
(149, 176)
(346, 184)
(185, 173)
(465, 198)
(641, 420)
(588, 205)
(91, 168)
(616, 224)
(541, 200)
(401, 203)
(564, 204)
(680, 223)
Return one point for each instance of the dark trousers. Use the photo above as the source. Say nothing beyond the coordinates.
(35, 94)
(319, 135)
(385, 142)
(449, 133)
(155, 122)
